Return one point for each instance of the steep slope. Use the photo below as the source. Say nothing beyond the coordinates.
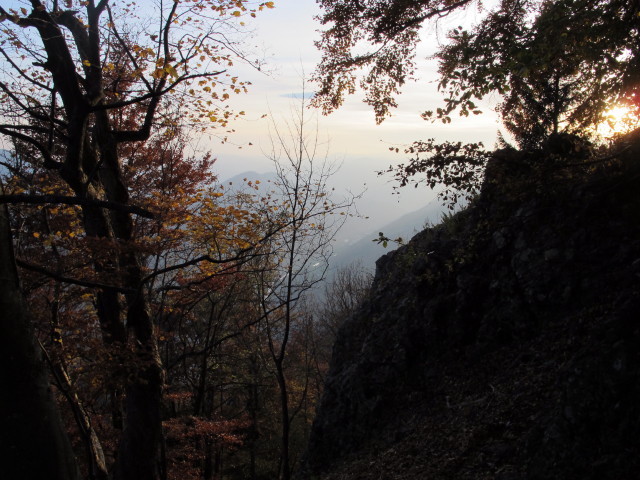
(502, 344)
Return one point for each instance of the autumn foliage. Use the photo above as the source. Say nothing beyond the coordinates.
(138, 268)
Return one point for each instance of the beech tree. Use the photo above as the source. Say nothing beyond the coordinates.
(590, 42)
(376, 38)
(69, 75)
(558, 65)
(194, 224)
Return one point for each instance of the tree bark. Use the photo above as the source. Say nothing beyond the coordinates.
(32, 439)
(285, 462)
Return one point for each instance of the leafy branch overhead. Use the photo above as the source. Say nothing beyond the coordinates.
(378, 37)
(459, 166)
(557, 67)
(590, 45)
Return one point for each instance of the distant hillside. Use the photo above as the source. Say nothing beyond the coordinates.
(366, 251)
(350, 245)
(503, 344)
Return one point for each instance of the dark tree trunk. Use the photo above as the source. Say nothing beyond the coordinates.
(207, 470)
(252, 408)
(33, 442)
(139, 453)
(285, 467)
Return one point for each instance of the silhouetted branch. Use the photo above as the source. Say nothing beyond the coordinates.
(73, 281)
(71, 200)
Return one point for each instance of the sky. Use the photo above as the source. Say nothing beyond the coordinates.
(286, 35)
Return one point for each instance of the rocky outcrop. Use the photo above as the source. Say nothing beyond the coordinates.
(504, 342)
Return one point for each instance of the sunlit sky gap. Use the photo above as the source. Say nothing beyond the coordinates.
(286, 35)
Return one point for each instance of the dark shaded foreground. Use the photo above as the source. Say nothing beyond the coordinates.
(503, 343)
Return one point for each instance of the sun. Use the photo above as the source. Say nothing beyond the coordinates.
(618, 120)
(617, 113)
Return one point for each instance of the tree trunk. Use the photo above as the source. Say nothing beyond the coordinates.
(285, 467)
(139, 453)
(252, 407)
(32, 439)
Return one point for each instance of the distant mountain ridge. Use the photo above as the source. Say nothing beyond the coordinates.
(366, 250)
(351, 246)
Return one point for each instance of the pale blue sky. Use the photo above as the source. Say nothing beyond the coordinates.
(286, 35)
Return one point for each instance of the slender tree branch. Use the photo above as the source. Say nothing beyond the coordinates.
(155, 93)
(25, 108)
(195, 261)
(72, 200)
(126, 48)
(22, 73)
(73, 281)
(49, 162)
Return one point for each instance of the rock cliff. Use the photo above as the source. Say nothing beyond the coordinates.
(503, 343)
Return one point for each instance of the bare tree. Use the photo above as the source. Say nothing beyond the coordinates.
(343, 294)
(298, 256)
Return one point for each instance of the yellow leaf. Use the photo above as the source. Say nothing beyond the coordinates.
(171, 71)
(269, 4)
(237, 13)
(36, 234)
